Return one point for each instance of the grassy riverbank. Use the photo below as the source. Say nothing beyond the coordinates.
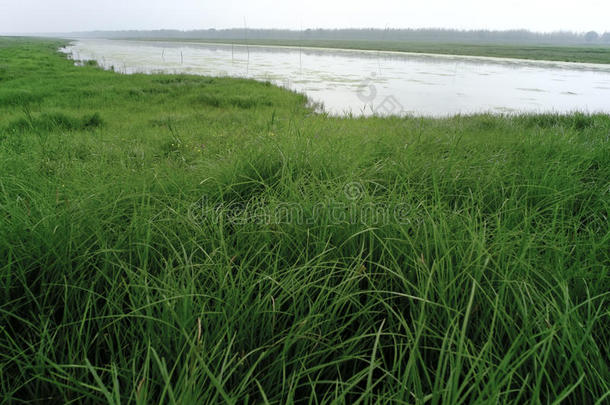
(582, 53)
(185, 239)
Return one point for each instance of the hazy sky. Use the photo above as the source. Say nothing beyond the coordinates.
(83, 15)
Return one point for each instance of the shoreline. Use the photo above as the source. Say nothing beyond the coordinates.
(262, 44)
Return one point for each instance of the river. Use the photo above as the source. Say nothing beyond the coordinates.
(370, 82)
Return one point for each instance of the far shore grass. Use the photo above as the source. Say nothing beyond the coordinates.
(196, 240)
(599, 54)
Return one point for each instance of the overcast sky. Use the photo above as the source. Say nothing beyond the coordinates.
(83, 15)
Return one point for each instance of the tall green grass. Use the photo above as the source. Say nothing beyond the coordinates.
(135, 266)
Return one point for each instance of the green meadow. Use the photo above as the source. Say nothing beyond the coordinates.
(181, 239)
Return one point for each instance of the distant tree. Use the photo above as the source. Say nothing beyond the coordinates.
(513, 37)
(606, 38)
(591, 36)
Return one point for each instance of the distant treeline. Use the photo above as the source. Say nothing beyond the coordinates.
(409, 35)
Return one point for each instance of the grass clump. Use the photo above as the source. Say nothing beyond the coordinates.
(578, 121)
(55, 121)
(17, 98)
(196, 253)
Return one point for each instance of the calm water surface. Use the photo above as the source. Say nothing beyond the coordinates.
(370, 82)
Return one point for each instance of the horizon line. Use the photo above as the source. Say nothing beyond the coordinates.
(558, 31)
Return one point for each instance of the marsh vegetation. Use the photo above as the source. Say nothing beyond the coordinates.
(126, 275)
